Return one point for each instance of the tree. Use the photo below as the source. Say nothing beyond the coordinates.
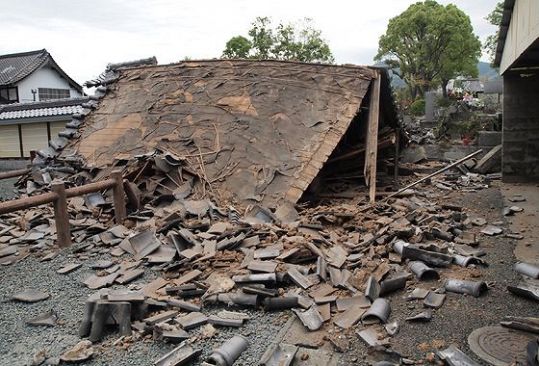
(237, 47)
(462, 54)
(428, 44)
(297, 42)
(495, 18)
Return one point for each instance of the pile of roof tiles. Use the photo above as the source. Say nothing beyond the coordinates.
(334, 265)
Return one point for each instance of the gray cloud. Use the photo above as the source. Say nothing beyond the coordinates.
(84, 36)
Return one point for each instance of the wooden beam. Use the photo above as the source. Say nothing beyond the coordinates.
(371, 151)
(61, 216)
(13, 173)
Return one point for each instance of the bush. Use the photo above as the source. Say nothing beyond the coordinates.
(443, 102)
(418, 107)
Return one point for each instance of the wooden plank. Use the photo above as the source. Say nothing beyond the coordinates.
(371, 152)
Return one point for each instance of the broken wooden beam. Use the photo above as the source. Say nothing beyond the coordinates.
(371, 152)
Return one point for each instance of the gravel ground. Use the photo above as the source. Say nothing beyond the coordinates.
(460, 314)
(19, 342)
(6, 188)
(458, 317)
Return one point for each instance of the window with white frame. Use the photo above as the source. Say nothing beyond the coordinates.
(49, 93)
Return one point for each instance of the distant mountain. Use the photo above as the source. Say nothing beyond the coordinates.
(486, 72)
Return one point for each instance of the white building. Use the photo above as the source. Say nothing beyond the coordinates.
(37, 98)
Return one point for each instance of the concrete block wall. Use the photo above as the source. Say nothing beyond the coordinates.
(520, 156)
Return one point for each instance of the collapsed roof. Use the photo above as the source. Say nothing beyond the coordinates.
(255, 130)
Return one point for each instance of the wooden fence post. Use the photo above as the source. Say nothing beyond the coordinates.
(61, 216)
(118, 193)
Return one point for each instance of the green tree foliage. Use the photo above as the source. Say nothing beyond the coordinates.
(495, 18)
(237, 47)
(429, 43)
(297, 42)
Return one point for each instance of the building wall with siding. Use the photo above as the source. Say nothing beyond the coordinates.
(523, 31)
(43, 78)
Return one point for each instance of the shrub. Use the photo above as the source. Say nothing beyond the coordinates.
(418, 107)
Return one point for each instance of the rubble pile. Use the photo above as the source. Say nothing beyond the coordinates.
(215, 216)
(334, 265)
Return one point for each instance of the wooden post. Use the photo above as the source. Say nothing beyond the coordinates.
(119, 196)
(61, 216)
(371, 151)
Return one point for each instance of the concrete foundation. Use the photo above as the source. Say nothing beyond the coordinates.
(489, 138)
(520, 160)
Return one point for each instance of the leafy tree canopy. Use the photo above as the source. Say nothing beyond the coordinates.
(495, 18)
(428, 44)
(298, 42)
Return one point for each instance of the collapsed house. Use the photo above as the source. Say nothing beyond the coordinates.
(195, 140)
(248, 131)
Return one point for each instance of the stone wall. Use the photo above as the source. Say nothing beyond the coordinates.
(520, 158)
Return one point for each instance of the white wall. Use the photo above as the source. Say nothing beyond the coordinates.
(523, 31)
(43, 78)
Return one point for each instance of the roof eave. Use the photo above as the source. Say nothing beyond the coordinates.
(508, 8)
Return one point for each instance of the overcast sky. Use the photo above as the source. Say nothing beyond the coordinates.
(83, 36)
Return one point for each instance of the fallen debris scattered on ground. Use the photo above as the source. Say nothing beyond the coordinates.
(334, 262)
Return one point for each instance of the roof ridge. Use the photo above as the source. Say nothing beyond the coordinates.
(44, 104)
(254, 61)
(27, 53)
